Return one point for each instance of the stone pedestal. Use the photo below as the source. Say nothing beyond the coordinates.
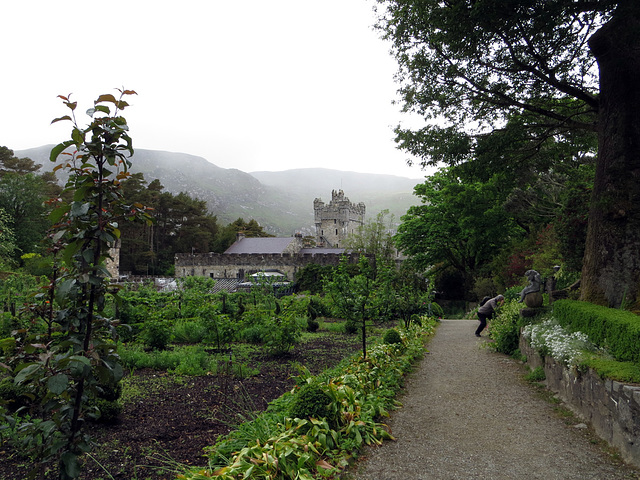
(533, 300)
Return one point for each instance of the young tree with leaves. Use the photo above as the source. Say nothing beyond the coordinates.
(66, 369)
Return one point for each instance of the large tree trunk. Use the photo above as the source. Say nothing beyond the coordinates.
(611, 272)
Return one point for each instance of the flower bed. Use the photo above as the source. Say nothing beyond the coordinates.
(360, 392)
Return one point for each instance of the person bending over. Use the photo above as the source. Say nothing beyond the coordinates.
(486, 311)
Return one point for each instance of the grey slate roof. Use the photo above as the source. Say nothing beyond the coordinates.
(260, 245)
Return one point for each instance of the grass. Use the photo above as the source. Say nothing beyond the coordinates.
(535, 375)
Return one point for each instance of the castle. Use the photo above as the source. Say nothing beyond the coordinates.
(334, 223)
(337, 220)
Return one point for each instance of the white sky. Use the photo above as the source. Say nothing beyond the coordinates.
(247, 84)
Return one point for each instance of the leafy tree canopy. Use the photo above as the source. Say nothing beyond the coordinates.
(461, 225)
(469, 66)
(560, 70)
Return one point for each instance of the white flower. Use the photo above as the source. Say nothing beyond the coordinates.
(551, 339)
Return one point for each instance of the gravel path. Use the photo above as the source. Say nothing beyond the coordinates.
(468, 414)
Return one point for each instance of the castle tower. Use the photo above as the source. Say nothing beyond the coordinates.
(337, 220)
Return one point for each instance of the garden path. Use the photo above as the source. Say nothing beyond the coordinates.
(468, 414)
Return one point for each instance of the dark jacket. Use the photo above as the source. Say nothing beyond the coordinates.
(489, 307)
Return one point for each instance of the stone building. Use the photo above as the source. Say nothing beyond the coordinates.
(285, 255)
(337, 220)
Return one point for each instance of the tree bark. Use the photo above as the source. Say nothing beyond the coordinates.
(611, 271)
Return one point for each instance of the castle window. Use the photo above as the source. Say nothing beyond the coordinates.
(336, 231)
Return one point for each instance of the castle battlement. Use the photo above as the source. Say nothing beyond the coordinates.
(337, 220)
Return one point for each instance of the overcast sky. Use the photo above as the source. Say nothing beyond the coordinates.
(247, 84)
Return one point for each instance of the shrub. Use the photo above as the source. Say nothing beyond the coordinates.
(156, 334)
(12, 395)
(189, 331)
(350, 327)
(505, 328)
(549, 338)
(254, 334)
(109, 410)
(617, 330)
(391, 336)
(310, 402)
(312, 325)
(282, 334)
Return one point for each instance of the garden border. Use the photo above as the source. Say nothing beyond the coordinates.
(611, 407)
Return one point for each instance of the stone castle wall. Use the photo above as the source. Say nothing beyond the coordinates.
(240, 266)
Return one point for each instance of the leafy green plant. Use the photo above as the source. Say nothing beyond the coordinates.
(312, 325)
(156, 334)
(282, 334)
(504, 328)
(392, 336)
(63, 367)
(359, 393)
(311, 401)
(536, 375)
(189, 331)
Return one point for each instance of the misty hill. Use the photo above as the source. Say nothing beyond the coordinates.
(280, 201)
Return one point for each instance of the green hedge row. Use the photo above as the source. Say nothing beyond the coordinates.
(617, 330)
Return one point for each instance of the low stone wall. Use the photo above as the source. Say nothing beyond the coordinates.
(612, 408)
(241, 265)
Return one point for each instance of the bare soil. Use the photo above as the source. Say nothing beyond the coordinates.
(172, 419)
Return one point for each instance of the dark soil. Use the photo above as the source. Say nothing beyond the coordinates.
(172, 419)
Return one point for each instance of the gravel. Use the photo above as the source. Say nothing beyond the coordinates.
(468, 414)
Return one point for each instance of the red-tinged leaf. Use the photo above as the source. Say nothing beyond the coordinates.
(66, 117)
(129, 92)
(106, 98)
(71, 105)
(66, 99)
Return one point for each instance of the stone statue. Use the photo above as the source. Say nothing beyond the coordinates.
(535, 280)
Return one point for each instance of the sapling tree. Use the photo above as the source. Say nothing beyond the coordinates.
(354, 295)
(76, 359)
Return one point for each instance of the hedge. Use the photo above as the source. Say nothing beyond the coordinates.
(616, 330)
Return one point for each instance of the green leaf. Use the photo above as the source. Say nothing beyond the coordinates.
(58, 149)
(87, 255)
(56, 215)
(79, 366)
(58, 383)
(78, 209)
(25, 372)
(69, 461)
(78, 136)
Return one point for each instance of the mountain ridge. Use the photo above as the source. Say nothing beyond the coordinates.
(281, 201)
